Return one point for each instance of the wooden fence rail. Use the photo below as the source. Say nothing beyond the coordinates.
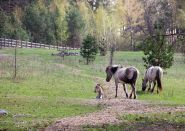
(25, 44)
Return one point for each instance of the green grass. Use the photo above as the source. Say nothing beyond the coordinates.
(45, 89)
(159, 121)
(49, 88)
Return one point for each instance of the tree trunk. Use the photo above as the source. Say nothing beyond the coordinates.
(112, 54)
(87, 61)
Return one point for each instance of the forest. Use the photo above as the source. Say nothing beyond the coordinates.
(123, 23)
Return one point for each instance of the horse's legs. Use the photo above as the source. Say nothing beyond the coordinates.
(133, 90)
(154, 87)
(125, 89)
(150, 84)
(116, 89)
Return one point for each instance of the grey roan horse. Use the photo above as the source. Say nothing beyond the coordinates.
(153, 74)
(123, 75)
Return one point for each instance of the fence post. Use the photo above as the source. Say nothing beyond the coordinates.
(31, 44)
(57, 46)
(15, 61)
(11, 43)
(4, 41)
(21, 43)
(1, 43)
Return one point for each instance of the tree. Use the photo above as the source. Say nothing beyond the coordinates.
(89, 48)
(39, 22)
(102, 47)
(158, 10)
(158, 51)
(10, 27)
(88, 18)
(58, 8)
(133, 19)
(5, 25)
(75, 24)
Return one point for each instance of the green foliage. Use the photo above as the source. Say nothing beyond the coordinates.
(60, 26)
(4, 25)
(39, 22)
(11, 28)
(19, 32)
(89, 48)
(157, 50)
(75, 24)
(103, 47)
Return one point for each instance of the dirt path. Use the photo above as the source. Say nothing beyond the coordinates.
(110, 115)
(114, 109)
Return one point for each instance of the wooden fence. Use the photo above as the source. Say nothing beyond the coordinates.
(25, 44)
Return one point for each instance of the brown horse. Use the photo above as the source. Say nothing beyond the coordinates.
(153, 75)
(123, 75)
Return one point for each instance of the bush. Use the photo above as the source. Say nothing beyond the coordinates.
(103, 47)
(89, 49)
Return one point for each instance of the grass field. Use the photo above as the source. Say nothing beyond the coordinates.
(146, 122)
(49, 88)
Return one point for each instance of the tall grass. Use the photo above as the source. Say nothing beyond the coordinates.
(45, 89)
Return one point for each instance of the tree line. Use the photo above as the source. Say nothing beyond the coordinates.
(115, 24)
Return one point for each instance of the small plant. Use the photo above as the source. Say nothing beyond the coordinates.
(89, 48)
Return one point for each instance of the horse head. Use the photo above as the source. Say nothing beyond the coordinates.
(144, 85)
(110, 70)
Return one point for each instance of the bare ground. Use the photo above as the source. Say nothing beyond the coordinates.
(112, 111)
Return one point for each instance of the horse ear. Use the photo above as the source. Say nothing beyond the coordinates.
(98, 84)
(114, 69)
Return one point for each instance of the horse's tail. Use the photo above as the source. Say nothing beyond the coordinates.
(158, 77)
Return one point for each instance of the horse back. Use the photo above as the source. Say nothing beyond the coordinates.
(128, 75)
(153, 72)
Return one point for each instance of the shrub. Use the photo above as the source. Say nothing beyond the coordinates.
(158, 51)
(89, 48)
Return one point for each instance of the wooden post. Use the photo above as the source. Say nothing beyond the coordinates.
(21, 43)
(15, 61)
(11, 43)
(57, 45)
(4, 41)
(1, 43)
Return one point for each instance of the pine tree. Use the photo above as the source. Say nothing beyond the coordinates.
(89, 49)
(158, 51)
